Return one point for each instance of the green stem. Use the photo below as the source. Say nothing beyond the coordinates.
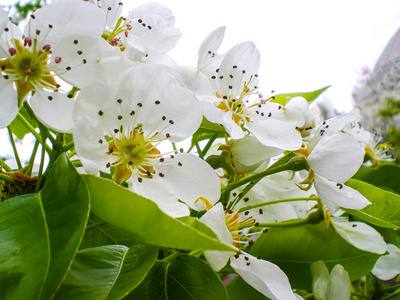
(172, 256)
(94, 225)
(391, 288)
(174, 147)
(209, 144)
(288, 162)
(40, 172)
(7, 178)
(33, 131)
(360, 295)
(10, 134)
(198, 148)
(34, 151)
(277, 201)
(392, 296)
(5, 166)
(72, 153)
(287, 223)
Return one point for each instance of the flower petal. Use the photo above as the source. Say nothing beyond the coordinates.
(336, 195)
(320, 276)
(336, 157)
(276, 133)
(215, 219)
(239, 66)
(388, 266)
(339, 287)
(65, 17)
(8, 102)
(210, 45)
(264, 276)
(54, 110)
(361, 235)
(190, 177)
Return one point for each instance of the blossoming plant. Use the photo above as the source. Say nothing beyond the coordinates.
(152, 180)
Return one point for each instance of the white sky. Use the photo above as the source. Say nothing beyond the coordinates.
(304, 44)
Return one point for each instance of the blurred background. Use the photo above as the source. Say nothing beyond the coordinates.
(304, 45)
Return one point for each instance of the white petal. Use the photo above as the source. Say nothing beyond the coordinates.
(244, 57)
(388, 266)
(320, 276)
(162, 36)
(8, 102)
(210, 45)
(87, 134)
(333, 125)
(194, 80)
(276, 133)
(297, 110)
(336, 157)
(361, 235)
(190, 177)
(233, 129)
(66, 17)
(264, 276)
(339, 287)
(3, 19)
(88, 59)
(54, 110)
(336, 195)
(249, 151)
(158, 191)
(215, 219)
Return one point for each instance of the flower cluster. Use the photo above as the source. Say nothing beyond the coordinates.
(201, 143)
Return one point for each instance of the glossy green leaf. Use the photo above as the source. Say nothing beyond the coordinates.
(137, 262)
(238, 289)
(93, 273)
(386, 177)
(153, 286)
(143, 220)
(384, 210)
(209, 127)
(189, 277)
(309, 96)
(24, 248)
(65, 202)
(294, 249)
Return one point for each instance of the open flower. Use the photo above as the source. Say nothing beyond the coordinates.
(264, 276)
(146, 34)
(57, 42)
(122, 127)
(234, 82)
(334, 157)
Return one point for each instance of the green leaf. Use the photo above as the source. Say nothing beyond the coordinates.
(138, 261)
(386, 177)
(184, 278)
(93, 273)
(65, 202)
(143, 220)
(24, 248)
(309, 96)
(189, 277)
(238, 289)
(294, 249)
(209, 127)
(153, 286)
(384, 210)
(18, 128)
